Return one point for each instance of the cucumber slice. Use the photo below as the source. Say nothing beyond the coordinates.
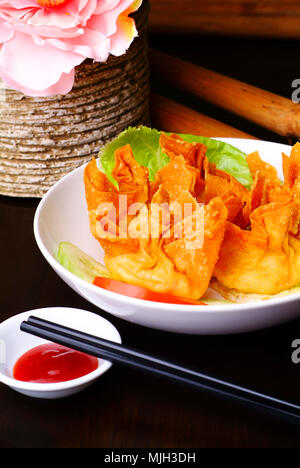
(79, 263)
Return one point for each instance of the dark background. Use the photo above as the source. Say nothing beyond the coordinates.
(126, 408)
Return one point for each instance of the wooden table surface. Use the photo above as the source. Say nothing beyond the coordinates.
(126, 408)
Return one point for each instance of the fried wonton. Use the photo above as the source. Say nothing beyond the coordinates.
(174, 145)
(265, 257)
(192, 153)
(181, 267)
(196, 226)
(108, 207)
(220, 184)
(172, 242)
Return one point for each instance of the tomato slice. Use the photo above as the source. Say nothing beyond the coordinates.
(141, 293)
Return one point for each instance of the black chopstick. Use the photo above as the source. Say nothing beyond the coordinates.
(125, 355)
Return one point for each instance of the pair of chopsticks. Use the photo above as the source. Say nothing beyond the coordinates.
(268, 110)
(121, 354)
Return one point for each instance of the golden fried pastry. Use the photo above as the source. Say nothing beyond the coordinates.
(173, 243)
(265, 257)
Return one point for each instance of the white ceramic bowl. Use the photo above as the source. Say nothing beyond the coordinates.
(14, 343)
(62, 216)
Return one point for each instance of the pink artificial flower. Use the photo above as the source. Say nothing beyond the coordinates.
(42, 41)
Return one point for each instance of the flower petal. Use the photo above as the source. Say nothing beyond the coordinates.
(91, 44)
(63, 86)
(126, 32)
(106, 22)
(6, 32)
(33, 66)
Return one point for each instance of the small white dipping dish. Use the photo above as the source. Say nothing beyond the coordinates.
(14, 343)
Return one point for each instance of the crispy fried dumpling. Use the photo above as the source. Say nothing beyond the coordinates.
(265, 257)
(220, 184)
(173, 251)
(196, 225)
(108, 207)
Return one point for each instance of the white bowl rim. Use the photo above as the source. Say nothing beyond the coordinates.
(103, 366)
(149, 305)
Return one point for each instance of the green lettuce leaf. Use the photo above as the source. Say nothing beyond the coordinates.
(147, 152)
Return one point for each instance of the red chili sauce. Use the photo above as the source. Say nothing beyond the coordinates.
(53, 363)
